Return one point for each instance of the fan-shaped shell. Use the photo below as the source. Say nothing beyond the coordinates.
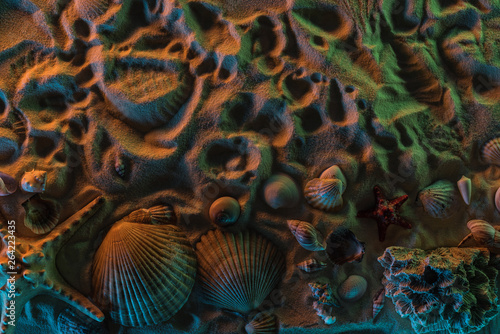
(238, 271)
(483, 232)
(34, 181)
(224, 211)
(280, 191)
(342, 246)
(311, 265)
(263, 323)
(41, 216)
(334, 172)
(143, 274)
(159, 214)
(353, 288)
(439, 199)
(465, 188)
(324, 194)
(307, 235)
(378, 302)
(8, 184)
(490, 152)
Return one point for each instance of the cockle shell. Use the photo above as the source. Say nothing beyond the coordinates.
(307, 235)
(263, 323)
(483, 233)
(490, 153)
(280, 191)
(342, 246)
(465, 188)
(143, 274)
(334, 172)
(41, 216)
(497, 199)
(34, 181)
(159, 214)
(238, 271)
(8, 184)
(311, 265)
(439, 199)
(353, 288)
(378, 302)
(224, 211)
(324, 194)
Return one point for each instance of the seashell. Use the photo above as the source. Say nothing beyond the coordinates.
(143, 274)
(325, 194)
(226, 260)
(483, 233)
(8, 184)
(263, 323)
(34, 181)
(334, 172)
(280, 191)
(439, 199)
(307, 235)
(69, 322)
(224, 211)
(378, 302)
(120, 167)
(323, 293)
(497, 199)
(41, 216)
(353, 288)
(311, 265)
(156, 215)
(465, 188)
(490, 153)
(342, 246)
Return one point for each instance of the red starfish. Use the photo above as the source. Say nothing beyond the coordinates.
(386, 212)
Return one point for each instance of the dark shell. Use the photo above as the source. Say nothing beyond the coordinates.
(74, 322)
(342, 246)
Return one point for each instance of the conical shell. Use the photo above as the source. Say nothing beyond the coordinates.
(143, 274)
(307, 235)
(334, 172)
(34, 181)
(378, 302)
(280, 191)
(224, 211)
(8, 184)
(490, 152)
(41, 216)
(353, 288)
(465, 188)
(324, 194)
(263, 323)
(342, 246)
(311, 265)
(238, 271)
(497, 199)
(483, 232)
(159, 214)
(439, 199)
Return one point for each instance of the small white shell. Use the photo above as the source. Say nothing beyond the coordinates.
(353, 288)
(490, 152)
(280, 191)
(34, 181)
(307, 235)
(465, 188)
(324, 194)
(439, 199)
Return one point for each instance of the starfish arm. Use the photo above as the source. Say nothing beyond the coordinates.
(397, 202)
(378, 194)
(403, 222)
(382, 230)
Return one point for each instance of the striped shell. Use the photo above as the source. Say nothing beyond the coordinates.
(484, 233)
(334, 172)
(378, 302)
(224, 211)
(439, 199)
(159, 214)
(280, 191)
(307, 235)
(41, 215)
(324, 194)
(263, 323)
(465, 187)
(311, 265)
(353, 288)
(8, 184)
(71, 322)
(237, 271)
(143, 274)
(342, 246)
(490, 152)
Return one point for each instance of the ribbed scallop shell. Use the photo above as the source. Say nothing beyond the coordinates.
(307, 235)
(334, 172)
(311, 265)
(263, 323)
(41, 216)
(324, 194)
(490, 152)
(224, 211)
(238, 271)
(439, 199)
(484, 233)
(8, 184)
(378, 302)
(143, 274)
(159, 214)
(342, 246)
(353, 288)
(280, 191)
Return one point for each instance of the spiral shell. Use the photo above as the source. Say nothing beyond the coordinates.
(159, 214)
(8, 184)
(439, 199)
(41, 215)
(34, 181)
(237, 271)
(224, 211)
(311, 265)
(378, 302)
(353, 288)
(263, 323)
(465, 188)
(280, 191)
(143, 274)
(490, 152)
(307, 235)
(342, 246)
(325, 194)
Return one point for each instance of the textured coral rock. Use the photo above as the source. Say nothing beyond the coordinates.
(446, 289)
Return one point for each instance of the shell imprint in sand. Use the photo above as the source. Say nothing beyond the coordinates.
(224, 211)
(353, 288)
(439, 199)
(307, 235)
(490, 152)
(34, 181)
(156, 215)
(325, 192)
(342, 246)
(238, 271)
(465, 188)
(143, 274)
(263, 323)
(280, 191)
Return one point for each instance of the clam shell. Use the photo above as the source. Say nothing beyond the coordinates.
(8, 184)
(482, 231)
(280, 191)
(237, 271)
(439, 199)
(159, 214)
(41, 216)
(143, 274)
(307, 235)
(263, 323)
(497, 199)
(465, 188)
(224, 211)
(324, 194)
(311, 265)
(378, 302)
(334, 172)
(490, 153)
(342, 246)
(353, 288)
(34, 181)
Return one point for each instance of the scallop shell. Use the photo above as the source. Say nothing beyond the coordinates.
(159, 214)
(263, 323)
(41, 216)
(353, 288)
(224, 211)
(238, 271)
(311, 265)
(69, 322)
(307, 235)
(34, 181)
(280, 191)
(439, 199)
(490, 152)
(342, 246)
(143, 274)
(334, 172)
(8, 184)
(325, 194)
(378, 302)
(497, 199)
(465, 188)
(483, 233)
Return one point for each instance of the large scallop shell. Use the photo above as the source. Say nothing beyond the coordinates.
(8, 184)
(342, 246)
(280, 191)
(238, 271)
(143, 274)
(224, 211)
(159, 214)
(263, 323)
(41, 215)
(439, 199)
(490, 152)
(324, 194)
(307, 235)
(353, 288)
